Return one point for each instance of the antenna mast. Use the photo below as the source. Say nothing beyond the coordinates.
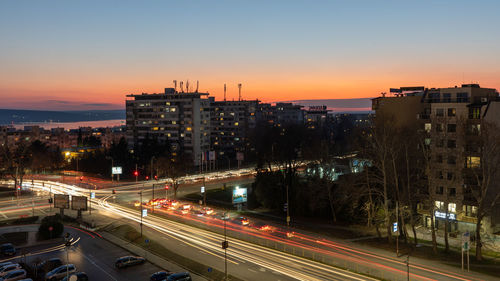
(175, 85)
(187, 86)
(224, 92)
(239, 92)
(182, 89)
(197, 85)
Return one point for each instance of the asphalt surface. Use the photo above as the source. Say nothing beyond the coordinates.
(90, 254)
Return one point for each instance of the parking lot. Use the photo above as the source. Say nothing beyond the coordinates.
(92, 255)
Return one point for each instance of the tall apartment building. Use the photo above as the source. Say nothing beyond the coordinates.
(181, 120)
(280, 114)
(451, 118)
(230, 124)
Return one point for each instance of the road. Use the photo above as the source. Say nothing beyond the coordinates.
(202, 242)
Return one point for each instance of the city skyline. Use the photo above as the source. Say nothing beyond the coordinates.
(89, 55)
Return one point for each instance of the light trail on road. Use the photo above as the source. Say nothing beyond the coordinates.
(292, 266)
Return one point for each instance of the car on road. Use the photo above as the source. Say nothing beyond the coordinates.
(180, 276)
(60, 272)
(263, 227)
(80, 276)
(207, 210)
(47, 265)
(14, 275)
(127, 261)
(8, 249)
(241, 220)
(160, 275)
(8, 268)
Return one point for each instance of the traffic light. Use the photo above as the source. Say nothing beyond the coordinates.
(114, 191)
(136, 173)
(156, 177)
(81, 178)
(147, 178)
(167, 187)
(50, 201)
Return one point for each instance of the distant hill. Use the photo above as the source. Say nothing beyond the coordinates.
(17, 116)
(361, 105)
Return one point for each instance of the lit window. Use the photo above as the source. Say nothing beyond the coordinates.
(189, 129)
(172, 109)
(427, 127)
(439, 205)
(236, 123)
(452, 207)
(174, 122)
(473, 162)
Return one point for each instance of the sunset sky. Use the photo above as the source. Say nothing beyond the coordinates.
(90, 54)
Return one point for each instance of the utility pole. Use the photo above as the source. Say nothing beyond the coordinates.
(141, 207)
(225, 245)
(33, 196)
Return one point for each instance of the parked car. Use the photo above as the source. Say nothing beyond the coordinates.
(181, 276)
(8, 249)
(14, 275)
(159, 276)
(127, 261)
(47, 265)
(80, 276)
(5, 263)
(8, 268)
(60, 272)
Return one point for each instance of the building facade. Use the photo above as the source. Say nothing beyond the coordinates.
(450, 118)
(180, 120)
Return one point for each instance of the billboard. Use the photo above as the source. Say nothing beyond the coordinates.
(79, 203)
(239, 195)
(61, 201)
(116, 170)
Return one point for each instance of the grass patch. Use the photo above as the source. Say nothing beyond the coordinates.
(19, 221)
(452, 257)
(130, 234)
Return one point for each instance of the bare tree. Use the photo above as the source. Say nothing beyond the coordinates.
(482, 174)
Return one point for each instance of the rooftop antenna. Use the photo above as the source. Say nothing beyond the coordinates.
(239, 92)
(175, 85)
(187, 86)
(383, 94)
(224, 92)
(182, 89)
(197, 85)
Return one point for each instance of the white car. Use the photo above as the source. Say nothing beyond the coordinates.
(8, 268)
(14, 275)
(60, 272)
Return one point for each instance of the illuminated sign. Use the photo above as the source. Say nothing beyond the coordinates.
(239, 195)
(442, 215)
(144, 213)
(116, 170)
(395, 227)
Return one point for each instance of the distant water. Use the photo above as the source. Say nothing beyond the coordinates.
(73, 125)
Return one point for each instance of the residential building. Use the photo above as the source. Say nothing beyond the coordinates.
(230, 125)
(178, 119)
(451, 119)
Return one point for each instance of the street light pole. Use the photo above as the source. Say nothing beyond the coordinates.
(225, 248)
(141, 207)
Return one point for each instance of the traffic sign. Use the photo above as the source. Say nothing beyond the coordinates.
(146, 241)
(92, 195)
(466, 241)
(144, 213)
(395, 227)
(202, 189)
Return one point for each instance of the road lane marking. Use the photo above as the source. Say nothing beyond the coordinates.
(93, 263)
(3, 215)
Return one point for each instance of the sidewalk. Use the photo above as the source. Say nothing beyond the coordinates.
(154, 259)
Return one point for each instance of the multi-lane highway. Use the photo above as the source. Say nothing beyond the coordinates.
(264, 259)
